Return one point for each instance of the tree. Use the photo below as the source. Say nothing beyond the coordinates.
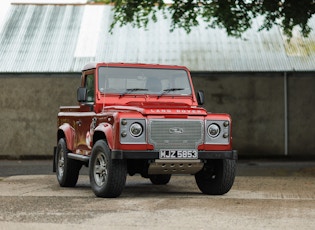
(234, 16)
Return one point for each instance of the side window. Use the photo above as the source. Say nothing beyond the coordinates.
(89, 85)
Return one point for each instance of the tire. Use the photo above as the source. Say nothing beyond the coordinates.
(216, 177)
(160, 179)
(67, 170)
(107, 176)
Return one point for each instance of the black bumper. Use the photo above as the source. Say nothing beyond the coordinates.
(152, 155)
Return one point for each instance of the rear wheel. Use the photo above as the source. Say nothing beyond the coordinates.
(160, 179)
(216, 177)
(107, 176)
(67, 170)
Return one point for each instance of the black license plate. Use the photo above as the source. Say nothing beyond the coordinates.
(178, 154)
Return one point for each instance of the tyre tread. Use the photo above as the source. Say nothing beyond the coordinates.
(225, 171)
(71, 167)
(117, 173)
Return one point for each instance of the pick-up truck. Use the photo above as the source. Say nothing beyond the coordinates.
(142, 119)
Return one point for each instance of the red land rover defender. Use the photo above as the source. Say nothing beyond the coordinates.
(146, 119)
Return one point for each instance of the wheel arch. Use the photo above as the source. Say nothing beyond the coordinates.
(104, 131)
(67, 132)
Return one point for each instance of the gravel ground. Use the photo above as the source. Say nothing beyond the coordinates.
(265, 195)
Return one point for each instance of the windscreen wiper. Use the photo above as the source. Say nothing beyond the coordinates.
(132, 90)
(165, 91)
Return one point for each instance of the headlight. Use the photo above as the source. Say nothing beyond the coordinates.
(136, 129)
(213, 130)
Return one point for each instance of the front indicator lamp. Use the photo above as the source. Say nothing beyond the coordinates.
(123, 134)
(123, 122)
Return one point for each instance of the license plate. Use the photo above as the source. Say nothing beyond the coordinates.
(178, 154)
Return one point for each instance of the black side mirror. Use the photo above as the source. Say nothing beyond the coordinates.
(200, 97)
(81, 94)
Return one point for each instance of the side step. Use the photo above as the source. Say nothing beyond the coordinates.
(72, 156)
(79, 157)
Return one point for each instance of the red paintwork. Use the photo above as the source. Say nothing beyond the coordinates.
(107, 129)
(79, 130)
(69, 134)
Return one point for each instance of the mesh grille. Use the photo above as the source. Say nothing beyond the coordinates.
(175, 134)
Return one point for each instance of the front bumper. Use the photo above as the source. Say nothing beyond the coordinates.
(152, 155)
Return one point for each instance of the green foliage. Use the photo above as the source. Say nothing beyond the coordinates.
(136, 12)
(234, 16)
(288, 14)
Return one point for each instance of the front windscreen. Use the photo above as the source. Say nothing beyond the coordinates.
(122, 80)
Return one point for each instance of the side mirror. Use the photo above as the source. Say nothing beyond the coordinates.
(81, 94)
(200, 97)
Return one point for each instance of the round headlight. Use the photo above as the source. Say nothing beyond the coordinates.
(213, 130)
(136, 129)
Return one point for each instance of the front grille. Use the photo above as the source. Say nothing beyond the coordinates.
(175, 133)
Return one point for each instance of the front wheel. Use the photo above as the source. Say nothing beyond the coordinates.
(216, 177)
(67, 170)
(107, 176)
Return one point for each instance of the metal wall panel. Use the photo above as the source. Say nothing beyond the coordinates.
(63, 38)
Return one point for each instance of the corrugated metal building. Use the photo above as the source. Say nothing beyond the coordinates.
(260, 79)
(62, 38)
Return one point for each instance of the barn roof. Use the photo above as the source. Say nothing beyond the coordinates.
(63, 38)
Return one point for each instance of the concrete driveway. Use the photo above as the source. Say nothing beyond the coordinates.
(265, 195)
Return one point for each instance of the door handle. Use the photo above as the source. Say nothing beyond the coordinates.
(79, 122)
